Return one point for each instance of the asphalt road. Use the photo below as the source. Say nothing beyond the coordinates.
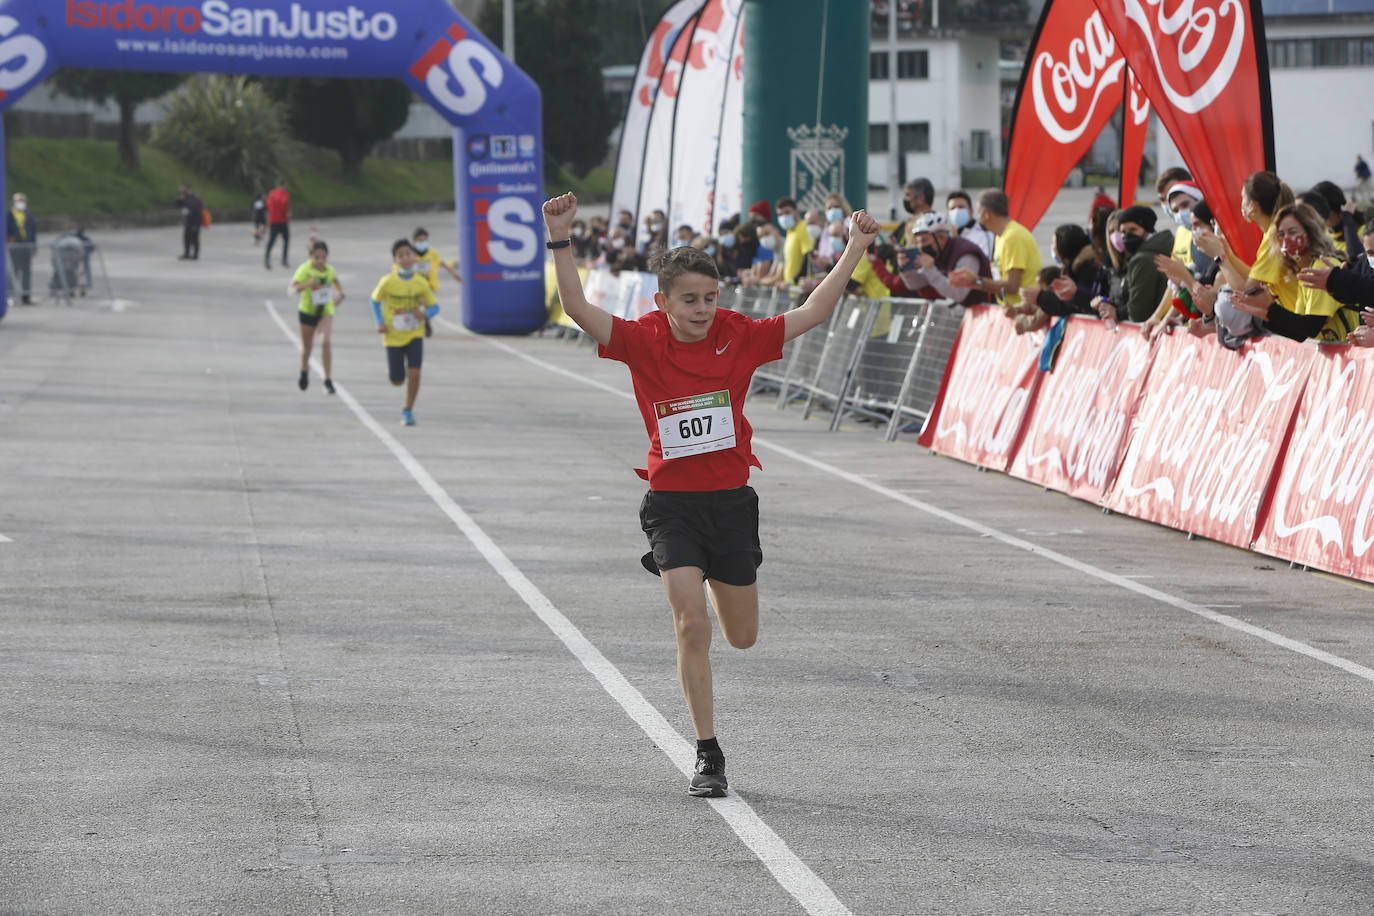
(268, 651)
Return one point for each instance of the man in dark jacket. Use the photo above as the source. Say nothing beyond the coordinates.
(1144, 283)
(191, 217)
(21, 231)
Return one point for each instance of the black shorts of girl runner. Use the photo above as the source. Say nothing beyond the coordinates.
(406, 356)
(311, 319)
(716, 531)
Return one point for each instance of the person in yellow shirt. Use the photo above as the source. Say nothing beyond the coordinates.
(320, 292)
(1015, 255)
(428, 263)
(797, 241)
(401, 302)
(1302, 243)
(1261, 198)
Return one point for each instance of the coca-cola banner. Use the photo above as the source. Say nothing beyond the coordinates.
(1072, 83)
(1076, 428)
(1210, 427)
(1205, 68)
(1135, 122)
(1322, 512)
(989, 381)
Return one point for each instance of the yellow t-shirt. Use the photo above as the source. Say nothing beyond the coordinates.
(398, 298)
(796, 247)
(1183, 246)
(1268, 269)
(307, 272)
(1343, 320)
(428, 264)
(869, 285)
(1014, 248)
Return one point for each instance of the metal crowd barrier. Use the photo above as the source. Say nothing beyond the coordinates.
(67, 267)
(879, 359)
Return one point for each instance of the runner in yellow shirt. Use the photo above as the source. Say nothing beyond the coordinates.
(320, 292)
(401, 302)
(428, 264)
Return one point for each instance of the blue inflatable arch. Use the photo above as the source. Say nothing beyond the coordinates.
(493, 106)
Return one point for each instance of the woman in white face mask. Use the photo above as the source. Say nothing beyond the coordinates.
(767, 269)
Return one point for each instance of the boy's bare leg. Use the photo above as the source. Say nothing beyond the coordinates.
(693, 627)
(412, 386)
(325, 355)
(737, 609)
(307, 341)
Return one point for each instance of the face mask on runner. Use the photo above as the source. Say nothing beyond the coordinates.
(787, 221)
(421, 247)
(405, 274)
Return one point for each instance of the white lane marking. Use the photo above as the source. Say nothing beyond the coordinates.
(1087, 569)
(792, 873)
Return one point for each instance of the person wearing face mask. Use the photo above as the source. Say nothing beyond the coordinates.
(1179, 200)
(725, 257)
(796, 240)
(767, 269)
(959, 212)
(1016, 257)
(1302, 244)
(1145, 285)
(684, 236)
(21, 232)
(941, 252)
(917, 199)
(740, 256)
(583, 242)
(621, 254)
(656, 227)
(427, 264)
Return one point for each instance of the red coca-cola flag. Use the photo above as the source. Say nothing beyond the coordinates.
(1135, 122)
(1211, 426)
(989, 381)
(1075, 431)
(1070, 86)
(1322, 513)
(1205, 67)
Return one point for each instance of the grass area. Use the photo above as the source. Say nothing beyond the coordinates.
(85, 177)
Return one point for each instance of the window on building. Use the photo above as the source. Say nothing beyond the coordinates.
(913, 138)
(980, 146)
(877, 138)
(1288, 53)
(877, 66)
(913, 65)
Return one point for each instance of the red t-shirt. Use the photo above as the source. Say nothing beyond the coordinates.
(278, 203)
(683, 385)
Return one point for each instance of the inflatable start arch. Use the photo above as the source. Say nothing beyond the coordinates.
(493, 106)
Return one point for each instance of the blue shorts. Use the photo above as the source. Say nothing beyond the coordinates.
(406, 356)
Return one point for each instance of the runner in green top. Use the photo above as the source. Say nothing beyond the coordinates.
(320, 292)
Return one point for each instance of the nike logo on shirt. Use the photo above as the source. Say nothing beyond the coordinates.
(724, 348)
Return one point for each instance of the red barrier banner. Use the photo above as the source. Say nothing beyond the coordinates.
(1076, 428)
(1322, 513)
(1205, 66)
(989, 381)
(1070, 86)
(1211, 425)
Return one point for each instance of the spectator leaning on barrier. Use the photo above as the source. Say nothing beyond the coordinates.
(1340, 221)
(621, 255)
(1261, 197)
(1015, 257)
(767, 269)
(1165, 187)
(1302, 243)
(1082, 276)
(21, 232)
(760, 213)
(917, 199)
(1145, 285)
(925, 269)
(959, 210)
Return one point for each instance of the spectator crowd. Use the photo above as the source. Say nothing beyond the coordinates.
(1161, 267)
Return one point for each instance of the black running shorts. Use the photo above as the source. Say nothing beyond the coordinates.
(406, 356)
(716, 531)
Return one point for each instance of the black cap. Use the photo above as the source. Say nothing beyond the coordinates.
(1140, 215)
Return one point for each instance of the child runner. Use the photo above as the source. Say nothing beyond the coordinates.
(320, 291)
(429, 263)
(259, 217)
(400, 304)
(691, 364)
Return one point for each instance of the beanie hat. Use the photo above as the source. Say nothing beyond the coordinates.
(762, 209)
(1140, 215)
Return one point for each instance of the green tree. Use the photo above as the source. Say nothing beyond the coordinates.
(577, 115)
(126, 89)
(226, 128)
(625, 26)
(349, 116)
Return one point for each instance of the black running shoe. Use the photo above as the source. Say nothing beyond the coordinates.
(329, 385)
(709, 779)
(304, 380)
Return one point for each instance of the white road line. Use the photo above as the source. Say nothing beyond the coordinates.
(1125, 582)
(814, 895)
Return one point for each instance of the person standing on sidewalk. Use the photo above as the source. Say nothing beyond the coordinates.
(21, 232)
(278, 222)
(192, 215)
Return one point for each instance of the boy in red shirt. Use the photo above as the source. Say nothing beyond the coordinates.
(691, 364)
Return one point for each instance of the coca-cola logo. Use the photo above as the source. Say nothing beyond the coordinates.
(1327, 469)
(989, 388)
(1066, 92)
(1194, 48)
(1139, 102)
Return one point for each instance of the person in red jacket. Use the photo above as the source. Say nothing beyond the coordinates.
(278, 214)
